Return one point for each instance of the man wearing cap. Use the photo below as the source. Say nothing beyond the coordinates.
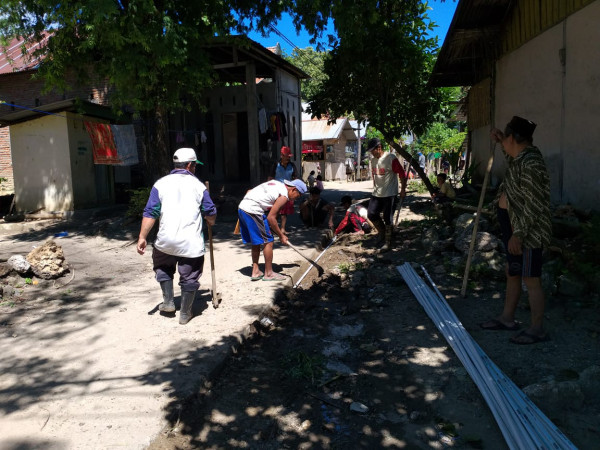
(180, 201)
(386, 169)
(283, 170)
(257, 213)
(525, 221)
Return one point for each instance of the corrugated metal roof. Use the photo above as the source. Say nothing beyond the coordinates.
(316, 130)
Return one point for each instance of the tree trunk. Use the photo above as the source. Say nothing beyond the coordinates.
(413, 163)
(156, 158)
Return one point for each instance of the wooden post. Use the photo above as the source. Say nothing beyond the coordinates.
(463, 291)
(252, 108)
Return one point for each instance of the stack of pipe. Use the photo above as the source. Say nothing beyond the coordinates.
(522, 423)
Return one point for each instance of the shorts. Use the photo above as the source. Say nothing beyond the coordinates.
(385, 205)
(287, 209)
(254, 228)
(529, 263)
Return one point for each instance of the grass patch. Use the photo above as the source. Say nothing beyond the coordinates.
(299, 365)
(137, 201)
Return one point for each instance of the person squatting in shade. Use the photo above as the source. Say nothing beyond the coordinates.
(355, 219)
(181, 202)
(315, 210)
(257, 213)
(445, 192)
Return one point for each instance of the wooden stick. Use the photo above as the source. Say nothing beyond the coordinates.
(471, 208)
(463, 291)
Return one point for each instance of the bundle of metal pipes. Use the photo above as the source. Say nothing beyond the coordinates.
(522, 423)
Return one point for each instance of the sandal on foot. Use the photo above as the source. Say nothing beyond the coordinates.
(525, 338)
(275, 277)
(259, 277)
(495, 324)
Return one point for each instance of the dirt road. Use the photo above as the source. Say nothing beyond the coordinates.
(87, 360)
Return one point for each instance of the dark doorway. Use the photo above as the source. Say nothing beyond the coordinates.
(235, 147)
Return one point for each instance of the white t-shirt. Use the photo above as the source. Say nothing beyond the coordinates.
(359, 210)
(385, 180)
(263, 197)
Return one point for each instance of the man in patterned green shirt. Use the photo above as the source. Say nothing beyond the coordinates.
(524, 217)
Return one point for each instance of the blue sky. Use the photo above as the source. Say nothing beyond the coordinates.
(441, 13)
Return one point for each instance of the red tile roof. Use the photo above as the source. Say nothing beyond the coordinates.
(12, 58)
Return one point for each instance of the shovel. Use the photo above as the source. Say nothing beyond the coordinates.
(216, 296)
(317, 266)
(398, 210)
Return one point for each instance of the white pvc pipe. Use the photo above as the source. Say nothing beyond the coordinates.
(521, 422)
(311, 266)
(540, 427)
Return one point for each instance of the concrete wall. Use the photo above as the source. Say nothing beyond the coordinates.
(528, 84)
(20, 89)
(42, 165)
(6, 172)
(83, 170)
(564, 102)
(581, 135)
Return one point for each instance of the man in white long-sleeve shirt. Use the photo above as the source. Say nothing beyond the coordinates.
(180, 201)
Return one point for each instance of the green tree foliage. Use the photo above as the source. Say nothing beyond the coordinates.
(434, 139)
(311, 62)
(440, 138)
(379, 66)
(149, 51)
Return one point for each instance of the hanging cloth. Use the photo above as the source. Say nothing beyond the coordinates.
(262, 121)
(125, 142)
(103, 144)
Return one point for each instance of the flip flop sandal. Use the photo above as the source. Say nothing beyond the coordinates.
(495, 324)
(276, 277)
(528, 338)
(257, 278)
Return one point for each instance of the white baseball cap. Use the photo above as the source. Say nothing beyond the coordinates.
(186, 154)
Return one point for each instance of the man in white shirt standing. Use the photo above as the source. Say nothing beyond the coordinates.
(386, 169)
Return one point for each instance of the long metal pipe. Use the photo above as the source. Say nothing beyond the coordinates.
(521, 422)
(316, 259)
(541, 428)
